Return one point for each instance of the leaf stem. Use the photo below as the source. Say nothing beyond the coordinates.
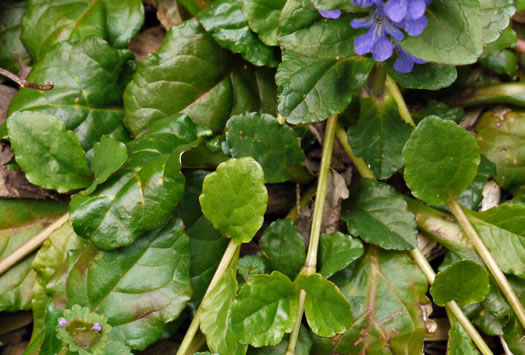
(317, 220)
(493, 267)
(360, 163)
(31, 245)
(451, 306)
(229, 254)
(393, 89)
(26, 84)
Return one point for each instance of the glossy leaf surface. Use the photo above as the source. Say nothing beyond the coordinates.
(143, 193)
(495, 15)
(379, 215)
(430, 76)
(263, 18)
(10, 28)
(327, 310)
(450, 156)
(49, 154)
(234, 198)
(337, 251)
(264, 310)
(303, 346)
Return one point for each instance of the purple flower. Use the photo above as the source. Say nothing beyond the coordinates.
(62, 322)
(375, 41)
(405, 62)
(398, 10)
(96, 327)
(414, 27)
(365, 3)
(330, 13)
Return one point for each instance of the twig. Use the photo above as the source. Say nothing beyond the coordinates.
(393, 89)
(26, 84)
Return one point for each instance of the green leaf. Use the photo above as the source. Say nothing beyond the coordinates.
(226, 23)
(143, 193)
(114, 284)
(20, 220)
(89, 79)
(495, 17)
(472, 197)
(437, 108)
(453, 34)
(195, 6)
(430, 76)
(49, 154)
(311, 89)
(508, 39)
(337, 251)
(263, 18)
(283, 245)
(345, 5)
(459, 342)
(501, 229)
(450, 156)
(327, 310)
(303, 346)
(215, 317)
(304, 31)
(264, 310)
(379, 215)
(10, 15)
(379, 136)
(234, 198)
(48, 22)
(504, 62)
(250, 265)
(464, 281)
(513, 335)
(109, 156)
(274, 146)
(387, 294)
(500, 137)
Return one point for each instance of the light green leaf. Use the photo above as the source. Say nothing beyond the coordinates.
(215, 318)
(453, 34)
(89, 79)
(263, 18)
(283, 245)
(303, 346)
(109, 156)
(337, 251)
(464, 281)
(250, 265)
(49, 154)
(379, 215)
(387, 295)
(274, 146)
(450, 156)
(327, 310)
(234, 198)
(48, 22)
(380, 135)
(10, 15)
(226, 23)
(336, 5)
(459, 342)
(495, 17)
(264, 310)
(311, 89)
(142, 194)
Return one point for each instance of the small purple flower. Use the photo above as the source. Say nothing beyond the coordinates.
(375, 41)
(62, 322)
(414, 27)
(96, 327)
(365, 3)
(405, 62)
(398, 10)
(330, 13)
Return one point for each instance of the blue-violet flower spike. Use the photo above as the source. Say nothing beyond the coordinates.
(97, 327)
(398, 10)
(62, 322)
(331, 13)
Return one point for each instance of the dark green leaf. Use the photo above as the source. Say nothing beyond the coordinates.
(49, 154)
(303, 30)
(188, 208)
(471, 197)
(48, 22)
(274, 146)
(380, 135)
(195, 6)
(283, 245)
(327, 310)
(337, 5)
(513, 335)
(500, 137)
(387, 296)
(20, 220)
(109, 156)
(459, 342)
(453, 34)
(234, 198)
(311, 89)
(430, 76)
(215, 318)
(464, 281)
(264, 310)
(303, 346)
(250, 265)
(10, 15)
(449, 155)
(379, 215)
(263, 17)
(437, 108)
(495, 17)
(504, 62)
(508, 39)
(337, 251)
(143, 193)
(89, 81)
(227, 24)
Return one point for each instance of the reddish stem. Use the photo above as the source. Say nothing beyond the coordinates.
(26, 84)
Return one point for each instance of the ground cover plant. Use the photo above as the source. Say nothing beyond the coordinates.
(262, 177)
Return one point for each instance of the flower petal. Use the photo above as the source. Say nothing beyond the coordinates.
(416, 27)
(403, 63)
(396, 10)
(363, 44)
(331, 13)
(382, 50)
(361, 22)
(416, 9)
(363, 3)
